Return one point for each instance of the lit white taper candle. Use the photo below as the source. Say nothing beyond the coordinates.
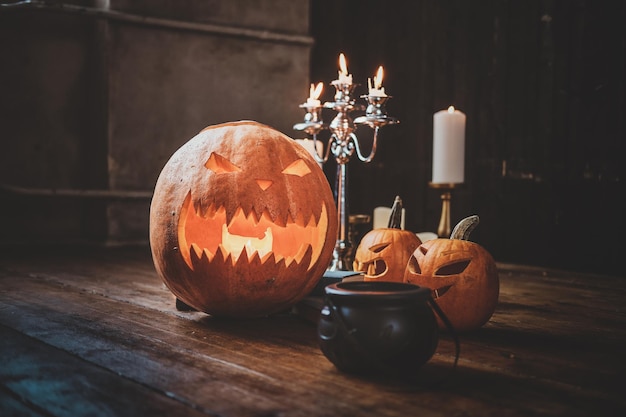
(343, 77)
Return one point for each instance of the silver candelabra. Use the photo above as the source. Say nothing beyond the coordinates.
(343, 144)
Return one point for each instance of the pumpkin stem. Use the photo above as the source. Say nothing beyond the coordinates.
(395, 218)
(463, 228)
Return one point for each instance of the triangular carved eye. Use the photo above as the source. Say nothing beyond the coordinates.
(454, 268)
(298, 168)
(220, 165)
(379, 247)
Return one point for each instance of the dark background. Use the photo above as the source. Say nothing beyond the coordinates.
(543, 86)
(96, 95)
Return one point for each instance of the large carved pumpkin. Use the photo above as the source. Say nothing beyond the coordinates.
(382, 254)
(462, 276)
(242, 221)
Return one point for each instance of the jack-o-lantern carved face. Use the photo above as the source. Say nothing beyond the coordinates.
(383, 254)
(243, 221)
(462, 276)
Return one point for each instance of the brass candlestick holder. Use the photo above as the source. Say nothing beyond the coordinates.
(444, 229)
(343, 144)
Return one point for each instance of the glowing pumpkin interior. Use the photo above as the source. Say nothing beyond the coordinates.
(206, 230)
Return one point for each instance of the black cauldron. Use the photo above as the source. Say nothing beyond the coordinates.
(372, 327)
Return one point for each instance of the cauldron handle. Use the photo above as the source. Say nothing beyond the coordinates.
(449, 326)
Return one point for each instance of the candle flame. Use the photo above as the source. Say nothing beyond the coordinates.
(316, 91)
(451, 109)
(378, 78)
(342, 64)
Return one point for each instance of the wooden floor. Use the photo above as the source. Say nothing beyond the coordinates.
(95, 333)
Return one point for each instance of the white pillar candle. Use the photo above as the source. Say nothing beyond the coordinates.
(308, 145)
(448, 146)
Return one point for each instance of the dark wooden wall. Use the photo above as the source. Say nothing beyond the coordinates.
(543, 84)
(95, 96)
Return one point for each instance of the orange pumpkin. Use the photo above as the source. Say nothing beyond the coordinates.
(382, 254)
(242, 221)
(462, 276)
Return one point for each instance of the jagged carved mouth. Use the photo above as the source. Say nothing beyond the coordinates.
(373, 269)
(207, 231)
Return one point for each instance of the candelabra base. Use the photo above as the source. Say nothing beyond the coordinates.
(341, 256)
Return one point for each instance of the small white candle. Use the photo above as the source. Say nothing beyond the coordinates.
(314, 93)
(308, 145)
(448, 146)
(342, 76)
(313, 102)
(377, 89)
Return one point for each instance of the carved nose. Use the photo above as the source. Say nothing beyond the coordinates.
(264, 184)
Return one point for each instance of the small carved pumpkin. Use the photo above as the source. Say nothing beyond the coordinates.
(382, 254)
(461, 274)
(242, 222)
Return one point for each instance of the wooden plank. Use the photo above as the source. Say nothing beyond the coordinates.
(181, 356)
(48, 381)
(261, 356)
(170, 361)
(553, 347)
(12, 406)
